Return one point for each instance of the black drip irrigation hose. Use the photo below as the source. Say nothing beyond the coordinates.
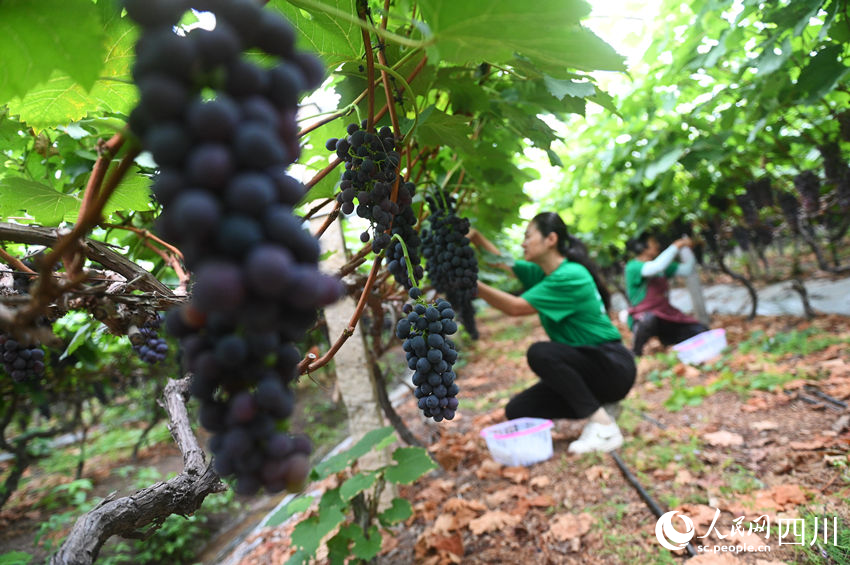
(647, 498)
(820, 394)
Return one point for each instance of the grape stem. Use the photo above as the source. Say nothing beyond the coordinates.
(14, 262)
(323, 173)
(362, 7)
(68, 248)
(305, 366)
(328, 221)
(407, 262)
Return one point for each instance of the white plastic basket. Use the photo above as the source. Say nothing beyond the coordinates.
(701, 347)
(523, 441)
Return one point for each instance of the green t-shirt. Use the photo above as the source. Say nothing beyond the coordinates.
(636, 283)
(570, 307)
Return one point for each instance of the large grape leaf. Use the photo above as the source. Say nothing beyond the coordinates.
(821, 74)
(332, 38)
(38, 38)
(545, 31)
(63, 99)
(437, 128)
(413, 462)
(45, 205)
(132, 194)
(372, 440)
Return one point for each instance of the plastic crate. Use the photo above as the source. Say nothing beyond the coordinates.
(523, 441)
(701, 347)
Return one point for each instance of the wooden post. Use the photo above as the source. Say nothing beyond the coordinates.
(352, 365)
(697, 299)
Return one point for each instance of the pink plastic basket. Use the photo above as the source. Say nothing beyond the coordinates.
(523, 441)
(701, 347)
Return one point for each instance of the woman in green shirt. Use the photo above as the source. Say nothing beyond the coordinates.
(586, 364)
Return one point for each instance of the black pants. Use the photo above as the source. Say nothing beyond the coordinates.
(574, 381)
(669, 333)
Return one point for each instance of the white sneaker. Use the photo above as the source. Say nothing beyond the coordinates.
(597, 437)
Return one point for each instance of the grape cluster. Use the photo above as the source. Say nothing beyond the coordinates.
(431, 354)
(21, 362)
(371, 171)
(790, 207)
(742, 236)
(150, 347)
(404, 226)
(760, 192)
(450, 260)
(807, 184)
(844, 125)
(837, 171)
(227, 203)
(749, 210)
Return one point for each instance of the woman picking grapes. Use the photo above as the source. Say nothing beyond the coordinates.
(585, 365)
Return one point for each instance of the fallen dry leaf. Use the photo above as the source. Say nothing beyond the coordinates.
(788, 495)
(597, 472)
(723, 438)
(516, 474)
(506, 494)
(683, 477)
(539, 482)
(488, 469)
(764, 425)
(700, 514)
(445, 524)
(570, 526)
(458, 504)
(492, 521)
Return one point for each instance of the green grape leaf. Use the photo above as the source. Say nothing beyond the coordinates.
(373, 440)
(61, 99)
(438, 128)
(413, 462)
(822, 73)
(39, 201)
(366, 548)
(294, 506)
(38, 38)
(83, 334)
(561, 88)
(545, 31)
(356, 484)
(399, 511)
(133, 193)
(333, 39)
(309, 533)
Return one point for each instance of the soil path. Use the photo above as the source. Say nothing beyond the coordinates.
(745, 438)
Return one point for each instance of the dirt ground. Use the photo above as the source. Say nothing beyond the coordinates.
(757, 442)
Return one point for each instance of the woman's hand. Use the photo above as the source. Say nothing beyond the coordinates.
(683, 242)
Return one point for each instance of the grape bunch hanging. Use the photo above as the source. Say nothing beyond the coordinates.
(404, 227)
(431, 354)
(222, 130)
(151, 348)
(22, 362)
(807, 184)
(449, 258)
(837, 172)
(371, 171)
